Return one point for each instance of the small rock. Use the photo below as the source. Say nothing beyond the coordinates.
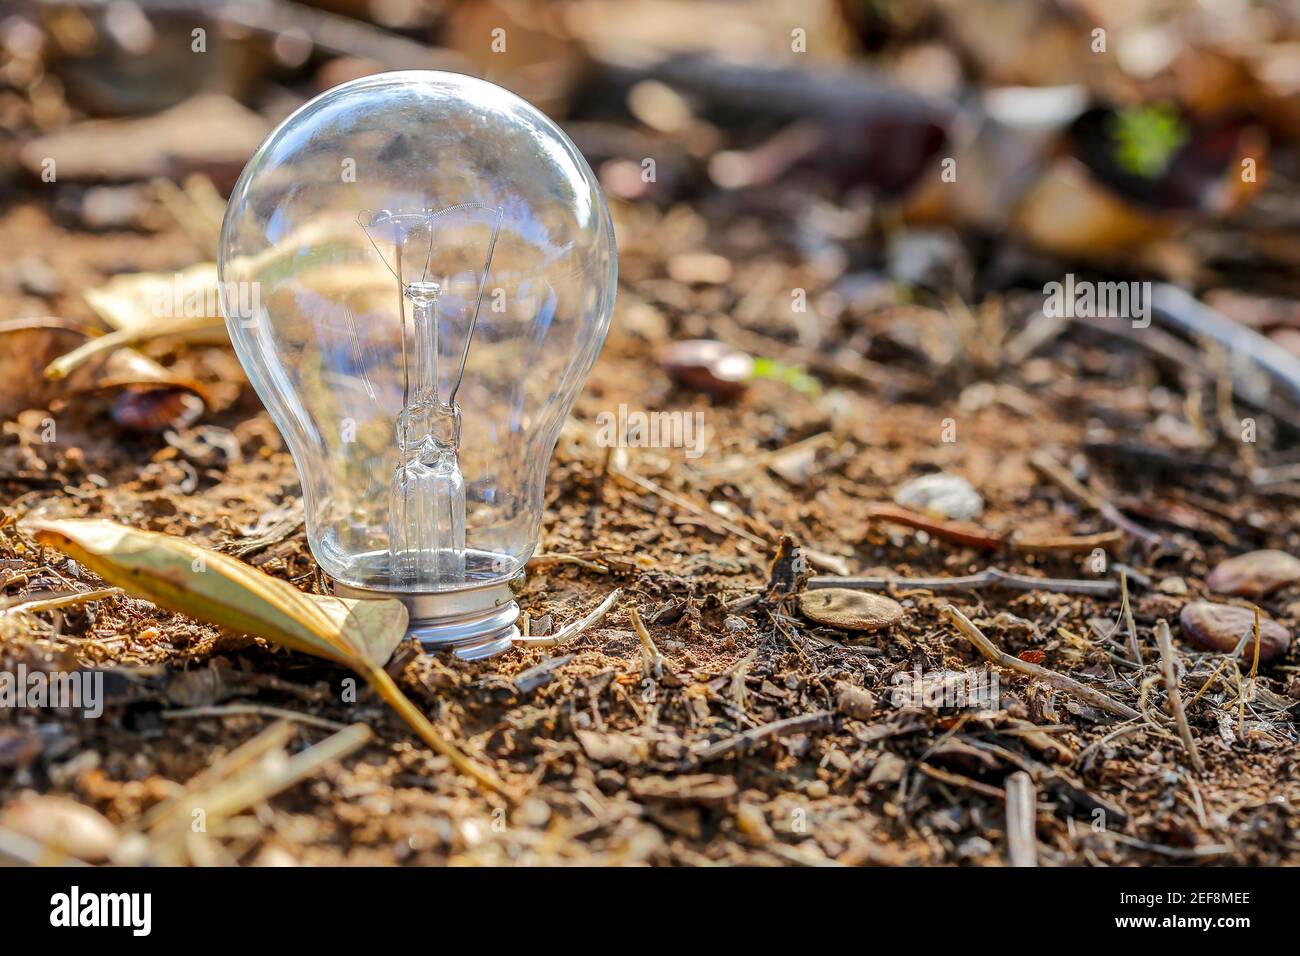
(1173, 585)
(533, 813)
(1255, 574)
(948, 496)
(613, 748)
(274, 856)
(1218, 627)
(848, 610)
(37, 278)
(817, 789)
(113, 207)
(702, 268)
(62, 824)
(931, 259)
(734, 624)
(751, 822)
(888, 770)
(854, 701)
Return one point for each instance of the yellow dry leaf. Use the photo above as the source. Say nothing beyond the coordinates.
(188, 301)
(219, 589)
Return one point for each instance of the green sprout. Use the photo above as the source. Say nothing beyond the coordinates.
(1146, 138)
(791, 375)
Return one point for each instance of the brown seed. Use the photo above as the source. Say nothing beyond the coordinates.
(1218, 627)
(156, 409)
(1255, 574)
(848, 610)
(708, 366)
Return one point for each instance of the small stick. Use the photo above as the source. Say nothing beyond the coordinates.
(650, 656)
(1208, 681)
(271, 738)
(571, 631)
(952, 531)
(1254, 665)
(958, 780)
(267, 778)
(988, 578)
(1050, 468)
(1241, 690)
(1022, 818)
(803, 723)
(260, 710)
(1068, 544)
(60, 601)
(1166, 645)
(1128, 618)
(20, 847)
(542, 560)
(1060, 681)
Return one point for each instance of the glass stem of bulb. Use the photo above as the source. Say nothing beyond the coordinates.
(427, 532)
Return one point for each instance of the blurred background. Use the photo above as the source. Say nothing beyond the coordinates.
(773, 167)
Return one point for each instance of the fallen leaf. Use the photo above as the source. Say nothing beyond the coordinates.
(145, 396)
(222, 590)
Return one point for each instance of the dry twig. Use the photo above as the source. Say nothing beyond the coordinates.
(577, 627)
(986, 647)
(1165, 643)
(1022, 818)
(801, 724)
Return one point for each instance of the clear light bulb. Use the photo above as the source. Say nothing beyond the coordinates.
(418, 271)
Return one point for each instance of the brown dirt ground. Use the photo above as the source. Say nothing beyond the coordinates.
(609, 757)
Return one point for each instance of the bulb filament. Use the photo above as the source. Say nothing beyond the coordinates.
(427, 530)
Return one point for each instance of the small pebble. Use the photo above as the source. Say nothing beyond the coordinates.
(703, 268)
(948, 496)
(1218, 627)
(533, 813)
(1254, 574)
(751, 822)
(37, 278)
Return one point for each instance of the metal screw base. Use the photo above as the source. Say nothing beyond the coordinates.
(474, 622)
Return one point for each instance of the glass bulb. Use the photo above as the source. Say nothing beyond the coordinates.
(418, 271)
